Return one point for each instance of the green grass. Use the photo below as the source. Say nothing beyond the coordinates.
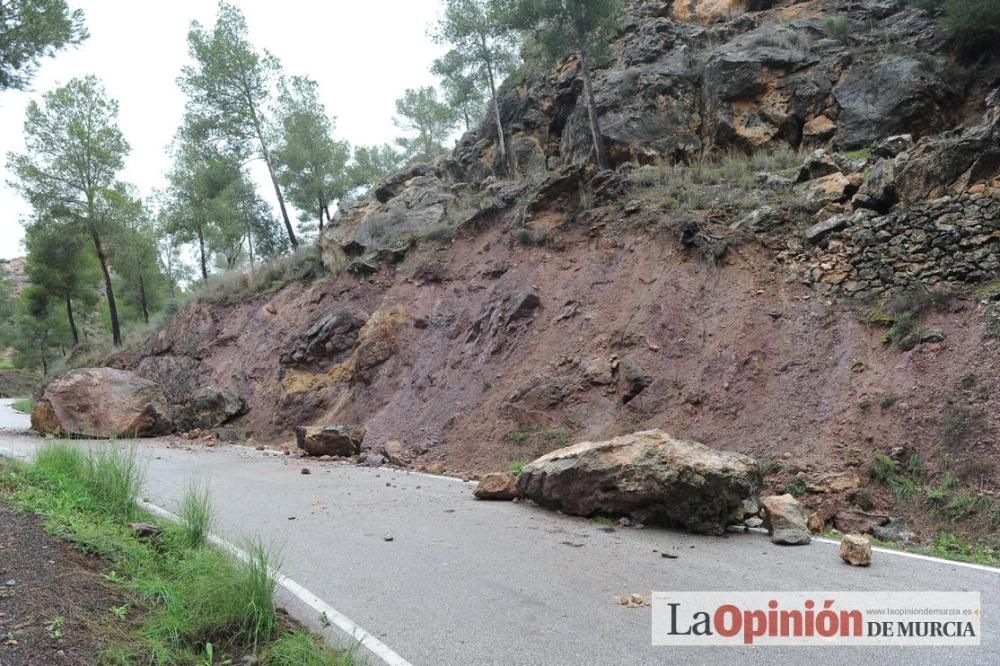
(25, 406)
(195, 602)
(604, 520)
(6, 363)
(298, 648)
(196, 514)
(517, 466)
(796, 487)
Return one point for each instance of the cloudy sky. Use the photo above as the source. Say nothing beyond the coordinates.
(363, 54)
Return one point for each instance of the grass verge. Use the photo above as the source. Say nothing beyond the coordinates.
(25, 406)
(197, 605)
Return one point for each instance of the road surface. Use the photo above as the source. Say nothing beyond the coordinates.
(467, 582)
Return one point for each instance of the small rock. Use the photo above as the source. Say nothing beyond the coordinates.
(815, 523)
(497, 486)
(669, 556)
(624, 522)
(388, 537)
(753, 522)
(632, 601)
(11, 583)
(306, 470)
(785, 520)
(895, 531)
(145, 530)
(373, 460)
(856, 550)
(435, 468)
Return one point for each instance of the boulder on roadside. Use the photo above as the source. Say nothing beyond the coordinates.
(785, 520)
(650, 477)
(329, 440)
(856, 550)
(102, 402)
(497, 486)
(209, 407)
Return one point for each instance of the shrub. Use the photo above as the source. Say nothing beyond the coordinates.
(838, 28)
(517, 466)
(973, 24)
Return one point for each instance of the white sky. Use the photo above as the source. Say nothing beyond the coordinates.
(363, 54)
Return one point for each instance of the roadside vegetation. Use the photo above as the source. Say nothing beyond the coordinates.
(191, 604)
(25, 406)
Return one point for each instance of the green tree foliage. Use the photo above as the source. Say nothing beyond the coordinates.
(371, 164)
(974, 25)
(199, 177)
(40, 331)
(31, 30)
(212, 203)
(462, 91)
(583, 27)
(74, 150)
(134, 254)
(312, 167)
(229, 87)
(60, 266)
(485, 49)
(429, 121)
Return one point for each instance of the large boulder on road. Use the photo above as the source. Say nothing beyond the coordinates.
(102, 402)
(648, 476)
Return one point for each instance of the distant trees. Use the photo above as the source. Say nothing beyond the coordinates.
(229, 87)
(418, 111)
(59, 265)
(31, 30)
(485, 48)
(74, 151)
(372, 163)
(312, 167)
(584, 27)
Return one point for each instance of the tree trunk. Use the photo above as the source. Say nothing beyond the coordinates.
(142, 299)
(72, 321)
(116, 331)
(201, 250)
(509, 161)
(321, 209)
(266, 154)
(601, 150)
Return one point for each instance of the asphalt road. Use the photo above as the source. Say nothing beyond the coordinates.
(467, 582)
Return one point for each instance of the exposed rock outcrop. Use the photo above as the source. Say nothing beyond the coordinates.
(209, 407)
(648, 476)
(102, 402)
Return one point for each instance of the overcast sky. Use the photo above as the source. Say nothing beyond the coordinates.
(363, 54)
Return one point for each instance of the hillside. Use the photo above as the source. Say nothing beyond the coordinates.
(832, 313)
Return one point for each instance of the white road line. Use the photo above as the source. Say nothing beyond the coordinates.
(918, 556)
(344, 623)
(892, 551)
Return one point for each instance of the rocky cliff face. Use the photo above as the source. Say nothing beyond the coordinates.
(826, 319)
